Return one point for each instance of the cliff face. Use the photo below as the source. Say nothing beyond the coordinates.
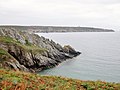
(29, 52)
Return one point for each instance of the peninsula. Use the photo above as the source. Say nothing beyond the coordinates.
(48, 29)
(30, 52)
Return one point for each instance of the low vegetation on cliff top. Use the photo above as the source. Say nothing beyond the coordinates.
(16, 80)
(7, 42)
(26, 46)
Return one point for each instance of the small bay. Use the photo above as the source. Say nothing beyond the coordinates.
(100, 58)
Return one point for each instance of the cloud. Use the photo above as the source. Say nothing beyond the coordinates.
(98, 1)
(98, 13)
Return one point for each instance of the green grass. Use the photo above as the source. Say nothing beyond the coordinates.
(32, 48)
(4, 55)
(6, 39)
(3, 52)
(27, 42)
(29, 47)
(16, 80)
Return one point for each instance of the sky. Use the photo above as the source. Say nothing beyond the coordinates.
(91, 13)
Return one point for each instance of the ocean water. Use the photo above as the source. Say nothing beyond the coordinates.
(100, 58)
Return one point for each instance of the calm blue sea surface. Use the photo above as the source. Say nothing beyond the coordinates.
(100, 58)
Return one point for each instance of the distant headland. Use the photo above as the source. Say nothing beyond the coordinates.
(47, 29)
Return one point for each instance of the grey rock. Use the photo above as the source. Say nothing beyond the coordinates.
(52, 55)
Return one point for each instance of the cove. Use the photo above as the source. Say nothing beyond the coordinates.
(100, 58)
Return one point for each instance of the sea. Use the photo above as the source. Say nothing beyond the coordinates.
(100, 58)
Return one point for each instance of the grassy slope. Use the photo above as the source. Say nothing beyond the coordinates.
(15, 80)
(28, 46)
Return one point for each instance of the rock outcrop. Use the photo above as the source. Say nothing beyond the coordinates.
(30, 52)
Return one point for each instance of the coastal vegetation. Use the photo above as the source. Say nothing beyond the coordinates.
(16, 80)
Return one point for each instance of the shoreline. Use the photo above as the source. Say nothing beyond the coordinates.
(30, 52)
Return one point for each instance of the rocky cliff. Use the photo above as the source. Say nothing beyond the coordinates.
(29, 52)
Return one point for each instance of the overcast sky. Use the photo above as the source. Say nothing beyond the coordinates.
(93, 13)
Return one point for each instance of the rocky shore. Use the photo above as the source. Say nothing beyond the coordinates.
(29, 52)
